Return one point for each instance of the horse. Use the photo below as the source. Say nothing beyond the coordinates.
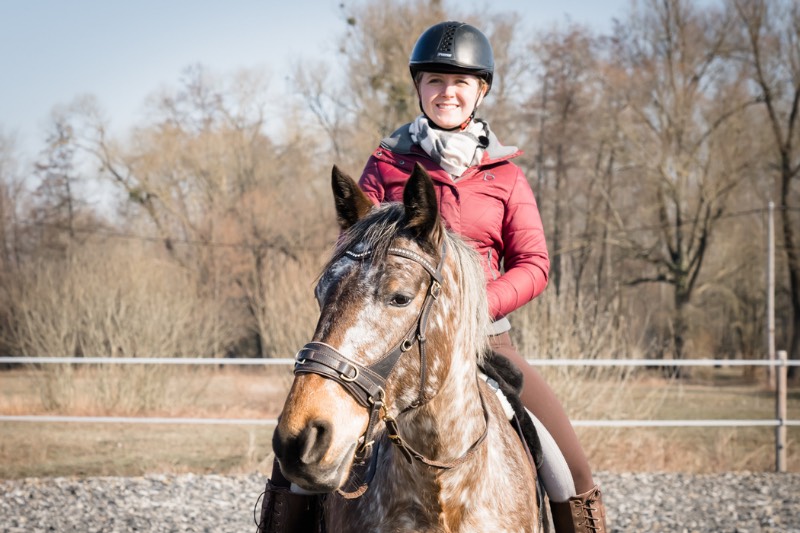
(388, 414)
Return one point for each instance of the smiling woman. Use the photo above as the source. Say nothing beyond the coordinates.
(452, 66)
(450, 100)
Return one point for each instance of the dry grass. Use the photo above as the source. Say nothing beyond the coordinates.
(708, 394)
(129, 450)
(222, 392)
(38, 449)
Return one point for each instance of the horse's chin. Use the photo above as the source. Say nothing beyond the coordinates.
(320, 478)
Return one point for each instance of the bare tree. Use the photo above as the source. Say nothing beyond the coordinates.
(371, 94)
(683, 136)
(11, 194)
(11, 191)
(562, 111)
(226, 200)
(58, 201)
(771, 47)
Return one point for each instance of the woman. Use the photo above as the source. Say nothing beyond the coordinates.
(485, 198)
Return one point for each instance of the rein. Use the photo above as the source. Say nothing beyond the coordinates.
(367, 384)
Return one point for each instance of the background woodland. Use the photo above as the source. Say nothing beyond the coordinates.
(653, 152)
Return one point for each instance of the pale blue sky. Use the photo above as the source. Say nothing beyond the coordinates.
(52, 51)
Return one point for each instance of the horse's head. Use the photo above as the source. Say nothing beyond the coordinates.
(393, 307)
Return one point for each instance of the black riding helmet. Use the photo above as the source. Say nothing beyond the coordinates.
(453, 47)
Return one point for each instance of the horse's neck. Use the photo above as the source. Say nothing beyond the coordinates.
(448, 425)
(405, 497)
(418, 496)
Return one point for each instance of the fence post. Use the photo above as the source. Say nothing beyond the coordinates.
(771, 293)
(780, 412)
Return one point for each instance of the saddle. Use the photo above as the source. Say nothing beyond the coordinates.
(509, 381)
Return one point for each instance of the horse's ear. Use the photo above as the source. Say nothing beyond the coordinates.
(351, 202)
(422, 210)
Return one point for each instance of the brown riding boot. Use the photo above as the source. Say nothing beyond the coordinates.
(283, 511)
(584, 513)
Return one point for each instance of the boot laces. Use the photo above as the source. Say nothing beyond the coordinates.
(590, 514)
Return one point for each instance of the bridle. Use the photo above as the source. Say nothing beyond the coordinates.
(367, 384)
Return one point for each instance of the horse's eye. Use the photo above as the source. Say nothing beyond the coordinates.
(399, 300)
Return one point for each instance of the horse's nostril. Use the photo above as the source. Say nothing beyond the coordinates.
(308, 447)
(314, 441)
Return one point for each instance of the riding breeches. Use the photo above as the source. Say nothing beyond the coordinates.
(541, 401)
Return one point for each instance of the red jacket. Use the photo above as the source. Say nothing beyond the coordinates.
(491, 206)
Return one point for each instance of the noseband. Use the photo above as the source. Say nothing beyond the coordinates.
(367, 384)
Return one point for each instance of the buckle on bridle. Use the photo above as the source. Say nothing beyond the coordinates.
(436, 289)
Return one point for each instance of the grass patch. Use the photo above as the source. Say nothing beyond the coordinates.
(77, 449)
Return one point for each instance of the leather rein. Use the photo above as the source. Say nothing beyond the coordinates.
(367, 384)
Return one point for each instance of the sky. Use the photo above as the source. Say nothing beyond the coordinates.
(52, 51)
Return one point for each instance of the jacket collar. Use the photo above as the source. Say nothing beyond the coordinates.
(400, 142)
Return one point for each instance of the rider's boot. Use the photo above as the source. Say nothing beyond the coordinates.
(283, 511)
(584, 513)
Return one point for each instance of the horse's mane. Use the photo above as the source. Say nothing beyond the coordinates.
(378, 231)
(474, 305)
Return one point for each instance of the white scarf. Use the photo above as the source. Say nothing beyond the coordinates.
(454, 151)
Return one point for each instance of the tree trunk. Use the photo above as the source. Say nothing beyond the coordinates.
(680, 329)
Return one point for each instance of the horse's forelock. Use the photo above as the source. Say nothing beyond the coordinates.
(373, 233)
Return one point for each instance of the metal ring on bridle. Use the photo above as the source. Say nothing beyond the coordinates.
(381, 397)
(349, 379)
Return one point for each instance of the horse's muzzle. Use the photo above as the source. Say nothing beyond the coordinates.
(302, 457)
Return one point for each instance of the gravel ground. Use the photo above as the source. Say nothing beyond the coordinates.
(740, 502)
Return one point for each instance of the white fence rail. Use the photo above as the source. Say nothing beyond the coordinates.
(780, 422)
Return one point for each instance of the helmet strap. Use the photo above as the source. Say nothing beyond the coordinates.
(464, 125)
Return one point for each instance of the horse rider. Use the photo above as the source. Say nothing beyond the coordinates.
(486, 199)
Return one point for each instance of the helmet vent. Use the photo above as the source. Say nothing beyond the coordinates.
(446, 45)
